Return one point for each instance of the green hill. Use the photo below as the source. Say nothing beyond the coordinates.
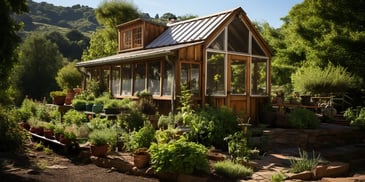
(48, 17)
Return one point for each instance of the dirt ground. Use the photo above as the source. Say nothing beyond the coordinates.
(54, 166)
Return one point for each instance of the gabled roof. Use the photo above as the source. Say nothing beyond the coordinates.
(196, 29)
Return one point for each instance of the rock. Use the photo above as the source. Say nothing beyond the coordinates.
(32, 172)
(305, 175)
(333, 169)
(56, 167)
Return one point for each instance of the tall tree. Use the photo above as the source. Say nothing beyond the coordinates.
(39, 61)
(104, 41)
(9, 39)
(318, 32)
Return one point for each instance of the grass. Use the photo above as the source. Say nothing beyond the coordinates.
(47, 151)
(232, 170)
(304, 162)
(278, 177)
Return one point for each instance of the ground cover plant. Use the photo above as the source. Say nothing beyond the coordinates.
(304, 162)
(232, 170)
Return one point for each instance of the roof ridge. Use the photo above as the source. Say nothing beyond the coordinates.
(203, 17)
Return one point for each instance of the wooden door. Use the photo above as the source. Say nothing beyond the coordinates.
(238, 84)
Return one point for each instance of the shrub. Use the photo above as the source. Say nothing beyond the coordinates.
(134, 120)
(12, 136)
(179, 156)
(69, 77)
(230, 169)
(27, 109)
(303, 118)
(332, 79)
(140, 139)
(74, 117)
(101, 123)
(304, 163)
(356, 116)
(278, 177)
(79, 104)
(103, 136)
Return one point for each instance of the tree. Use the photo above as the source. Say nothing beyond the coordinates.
(39, 61)
(9, 40)
(318, 32)
(109, 14)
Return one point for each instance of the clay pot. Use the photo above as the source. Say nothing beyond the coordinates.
(99, 150)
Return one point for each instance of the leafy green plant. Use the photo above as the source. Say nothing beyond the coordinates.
(27, 109)
(278, 177)
(356, 116)
(304, 162)
(103, 136)
(165, 121)
(237, 146)
(165, 136)
(179, 156)
(39, 146)
(79, 104)
(140, 139)
(75, 117)
(303, 118)
(232, 170)
(133, 120)
(56, 93)
(100, 123)
(47, 150)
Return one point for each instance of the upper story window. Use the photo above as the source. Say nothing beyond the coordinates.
(132, 38)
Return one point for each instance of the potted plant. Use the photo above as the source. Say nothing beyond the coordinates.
(101, 140)
(79, 104)
(99, 104)
(112, 106)
(58, 97)
(67, 137)
(141, 158)
(69, 78)
(48, 130)
(36, 126)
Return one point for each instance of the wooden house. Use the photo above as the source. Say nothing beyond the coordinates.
(221, 58)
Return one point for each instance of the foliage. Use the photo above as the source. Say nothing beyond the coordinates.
(139, 139)
(57, 93)
(303, 118)
(314, 80)
(101, 123)
(39, 61)
(133, 120)
(103, 136)
(232, 170)
(237, 146)
(27, 109)
(179, 156)
(356, 116)
(69, 77)
(12, 136)
(146, 104)
(278, 177)
(110, 14)
(9, 39)
(74, 117)
(304, 163)
(165, 136)
(165, 121)
(79, 104)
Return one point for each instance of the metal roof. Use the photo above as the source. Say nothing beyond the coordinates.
(196, 29)
(135, 55)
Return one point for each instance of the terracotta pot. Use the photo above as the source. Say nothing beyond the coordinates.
(99, 150)
(36, 130)
(59, 100)
(70, 95)
(141, 160)
(64, 140)
(25, 125)
(48, 133)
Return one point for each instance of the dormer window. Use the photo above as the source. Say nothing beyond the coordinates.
(132, 38)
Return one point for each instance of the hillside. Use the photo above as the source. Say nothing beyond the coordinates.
(48, 17)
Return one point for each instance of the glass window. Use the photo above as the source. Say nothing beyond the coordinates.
(154, 75)
(126, 79)
(116, 80)
(215, 74)
(259, 76)
(256, 49)
(137, 36)
(218, 43)
(190, 75)
(238, 77)
(139, 77)
(104, 85)
(167, 79)
(127, 35)
(238, 35)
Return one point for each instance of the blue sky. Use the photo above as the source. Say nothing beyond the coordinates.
(257, 10)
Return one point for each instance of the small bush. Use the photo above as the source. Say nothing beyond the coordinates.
(232, 170)
(304, 163)
(356, 116)
(134, 120)
(75, 117)
(237, 146)
(303, 118)
(139, 139)
(101, 123)
(179, 156)
(278, 177)
(69, 77)
(12, 136)
(103, 136)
